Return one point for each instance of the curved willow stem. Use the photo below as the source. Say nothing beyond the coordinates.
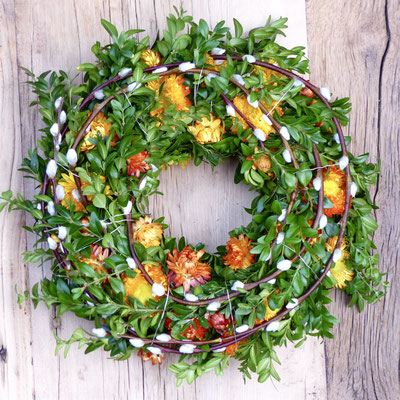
(223, 342)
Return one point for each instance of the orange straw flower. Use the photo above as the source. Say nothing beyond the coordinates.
(238, 253)
(186, 270)
(137, 164)
(335, 190)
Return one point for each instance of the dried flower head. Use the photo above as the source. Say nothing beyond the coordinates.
(186, 269)
(238, 254)
(207, 130)
(150, 57)
(335, 190)
(340, 271)
(137, 164)
(139, 288)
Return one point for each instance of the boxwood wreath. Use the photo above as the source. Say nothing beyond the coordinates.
(203, 95)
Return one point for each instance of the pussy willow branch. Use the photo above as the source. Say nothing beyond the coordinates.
(285, 311)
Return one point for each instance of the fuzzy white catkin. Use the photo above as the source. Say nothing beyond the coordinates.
(336, 138)
(99, 332)
(211, 76)
(266, 119)
(51, 169)
(62, 232)
(326, 93)
(124, 72)
(259, 134)
(72, 157)
(353, 189)
(217, 51)
(283, 215)
(128, 208)
(158, 289)
(337, 255)
(187, 348)
(292, 304)
(54, 130)
(220, 350)
(136, 342)
(214, 306)
(76, 195)
(273, 326)
(254, 103)
(317, 183)
(133, 86)
(250, 59)
(155, 350)
(285, 133)
(52, 243)
(186, 66)
(343, 162)
(230, 110)
(160, 70)
(99, 94)
(237, 285)
(191, 297)
(239, 79)
(163, 337)
(57, 103)
(63, 117)
(60, 192)
(50, 208)
(284, 265)
(242, 328)
(323, 221)
(131, 263)
(286, 156)
(142, 183)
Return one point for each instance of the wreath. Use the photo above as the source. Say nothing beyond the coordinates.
(199, 96)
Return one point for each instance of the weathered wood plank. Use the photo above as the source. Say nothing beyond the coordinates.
(360, 46)
(59, 37)
(15, 329)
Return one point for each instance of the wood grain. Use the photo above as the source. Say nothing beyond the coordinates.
(15, 333)
(58, 36)
(360, 46)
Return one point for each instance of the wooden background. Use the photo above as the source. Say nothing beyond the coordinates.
(353, 47)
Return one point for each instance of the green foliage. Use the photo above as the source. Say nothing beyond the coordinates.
(90, 280)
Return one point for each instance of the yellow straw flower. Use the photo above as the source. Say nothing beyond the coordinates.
(207, 130)
(67, 181)
(266, 73)
(214, 65)
(173, 91)
(150, 57)
(138, 286)
(253, 115)
(340, 271)
(147, 233)
(98, 126)
(269, 314)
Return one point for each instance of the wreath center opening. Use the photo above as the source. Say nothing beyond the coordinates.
(202, 204)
